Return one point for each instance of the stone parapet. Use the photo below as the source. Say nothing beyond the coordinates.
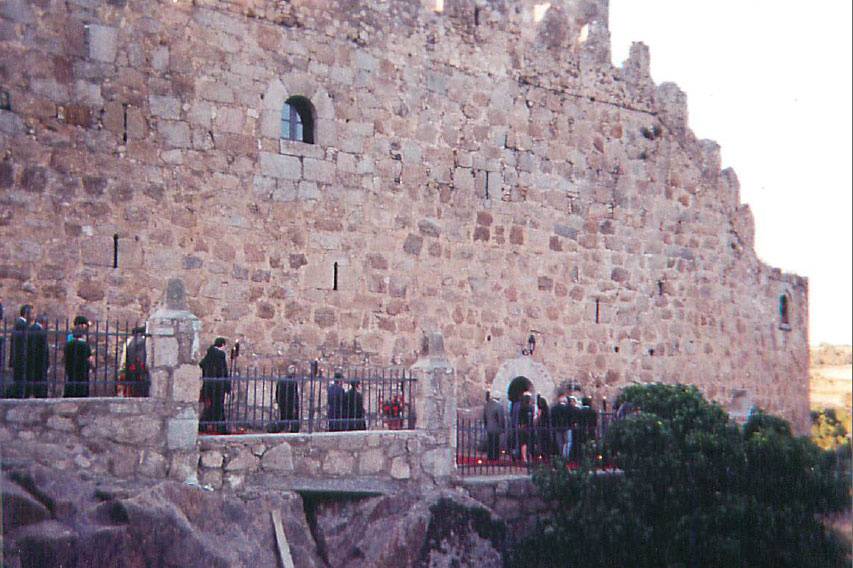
(353, 462)
(123, 437)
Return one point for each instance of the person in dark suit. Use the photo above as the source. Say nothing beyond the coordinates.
(28, 356)
(78, 361)
(354, 408)
(214, 373)
(287, 397)
(494, 419)
(335, 403)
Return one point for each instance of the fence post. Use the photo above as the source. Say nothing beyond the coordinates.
(176, 378)
(435, 406)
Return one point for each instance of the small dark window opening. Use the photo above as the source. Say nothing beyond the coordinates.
(616, 349)
(660, 287)
(598, 311)
(124, 125)
(784, 310)
(476, 16)
(335, 278)
(297, 120)
(5, 102)
(115, 251)
(652, 352)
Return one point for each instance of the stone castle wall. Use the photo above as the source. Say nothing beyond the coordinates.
(484, 172)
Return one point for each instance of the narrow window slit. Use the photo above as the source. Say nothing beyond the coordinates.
(124, 124)
(660, 287)
(598, 311)
(335, 278)
(115, 250)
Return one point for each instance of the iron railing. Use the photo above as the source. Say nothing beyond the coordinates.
(308, 399)
(517, 448)
(53, 359)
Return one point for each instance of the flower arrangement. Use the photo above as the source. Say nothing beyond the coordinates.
(392, 411)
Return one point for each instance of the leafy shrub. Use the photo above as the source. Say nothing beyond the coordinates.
(694, 490)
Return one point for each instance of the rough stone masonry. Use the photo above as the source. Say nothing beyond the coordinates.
(481, 170)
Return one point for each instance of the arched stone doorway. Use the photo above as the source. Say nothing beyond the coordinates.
(522, 369)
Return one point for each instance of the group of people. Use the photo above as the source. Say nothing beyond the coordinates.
(536, 430)
(345, 402)
(29, 359)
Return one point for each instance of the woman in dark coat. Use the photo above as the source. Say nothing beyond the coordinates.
(543, 428)
(214, 372)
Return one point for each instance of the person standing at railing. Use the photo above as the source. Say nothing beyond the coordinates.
(287, 397)
(28, 356)
(354, 408)
(525, 425)
(135, 367)
(561, 418)
(214, 373)
(335, 402)
(494, 419)
(543, 428)
(78, 361)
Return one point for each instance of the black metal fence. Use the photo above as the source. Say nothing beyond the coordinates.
(53, 359)
(308, 399)
(517, 448)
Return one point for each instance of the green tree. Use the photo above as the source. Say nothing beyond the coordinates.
(692, 489)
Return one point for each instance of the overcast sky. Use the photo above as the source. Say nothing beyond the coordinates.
(770, 81)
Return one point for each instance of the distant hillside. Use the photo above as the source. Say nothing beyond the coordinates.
(831, 374)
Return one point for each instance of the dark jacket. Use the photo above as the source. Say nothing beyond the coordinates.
(354, 410)
(494, 417)
(214, 365)
(77, 353)
(28, 352)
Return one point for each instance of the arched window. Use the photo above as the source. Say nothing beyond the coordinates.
(784, 310)
(297, 120)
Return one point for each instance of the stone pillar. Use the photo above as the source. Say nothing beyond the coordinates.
(435, 407)
(176, 377)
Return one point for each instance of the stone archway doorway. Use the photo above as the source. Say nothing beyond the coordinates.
(534, 376)
(518, 387)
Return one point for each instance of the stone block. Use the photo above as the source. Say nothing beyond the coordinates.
(400, 468)
(153, 464)
(338, 462)
(212, 459)
(186, 383)
(103, 42)
(319, 170)
(183, 466)
(165, 351)
(278, 166)
(371, 461)
(181, 434)
(164, 107)
(244, 460)
(60, 423)
(175, 134)
(24, 414)
(279, 458)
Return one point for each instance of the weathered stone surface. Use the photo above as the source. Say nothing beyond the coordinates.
(279, 458)
(181, 434)
(437, 529)
(534, 158)
(103, 42)
(111, 525)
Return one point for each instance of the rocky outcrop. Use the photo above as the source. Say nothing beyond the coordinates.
(437, 530)
(53, 519)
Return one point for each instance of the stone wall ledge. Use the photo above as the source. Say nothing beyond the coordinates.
(216, 441)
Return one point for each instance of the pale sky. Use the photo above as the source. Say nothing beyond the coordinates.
(770, 82)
